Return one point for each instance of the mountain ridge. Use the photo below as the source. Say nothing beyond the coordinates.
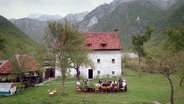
(14, 38)
(130, 16)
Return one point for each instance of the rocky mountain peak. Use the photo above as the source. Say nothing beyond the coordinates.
(44, 17)
(76, 17)
(163, 3)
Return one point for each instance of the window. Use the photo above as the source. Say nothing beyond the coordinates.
(113, 72)
(89, 45)
(98, 60)
(103, 45)
(113, 61)
(98, 72)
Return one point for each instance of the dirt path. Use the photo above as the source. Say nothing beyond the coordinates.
(44, 83)
(156, 102)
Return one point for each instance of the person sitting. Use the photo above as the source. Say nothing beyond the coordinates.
(78, 83)
(105, 83)
(100, 82)
(108, 83)
(120, 83)
(114, 83)
(123, 88)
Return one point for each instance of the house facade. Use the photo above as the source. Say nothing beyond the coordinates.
(105, 55)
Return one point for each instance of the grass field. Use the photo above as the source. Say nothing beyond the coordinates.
(145, 90)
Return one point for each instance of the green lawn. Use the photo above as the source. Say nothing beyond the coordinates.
(145, 90)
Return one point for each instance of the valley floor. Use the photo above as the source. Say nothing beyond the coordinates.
(150, 89)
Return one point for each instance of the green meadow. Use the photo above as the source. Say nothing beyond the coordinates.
(148, 89)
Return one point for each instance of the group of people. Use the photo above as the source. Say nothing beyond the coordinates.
(120, 84)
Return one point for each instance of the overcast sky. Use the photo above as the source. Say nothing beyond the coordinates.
(23, 8)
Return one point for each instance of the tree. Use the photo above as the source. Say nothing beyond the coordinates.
(164, 62)
(175, 43)
(138, 41)
(181, 74)
(43, 57)
(64, 40)
(19, 67)
(80, 58)
(168, 57)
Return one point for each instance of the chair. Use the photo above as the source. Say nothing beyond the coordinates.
(115, 88)
(104, 88)
(78, 90)
(123, 88)
(97, 89)
(108, 88)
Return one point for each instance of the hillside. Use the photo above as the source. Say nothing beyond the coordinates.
(176, 17)
(129, 16)
(15, 40)
(172, 18)
(32, 27)
(133, 16)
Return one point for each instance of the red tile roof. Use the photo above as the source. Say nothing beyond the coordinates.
(29, 64)
(103, 40)
(5, 66)
(27, 61)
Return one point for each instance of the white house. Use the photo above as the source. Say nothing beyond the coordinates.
(105, 54)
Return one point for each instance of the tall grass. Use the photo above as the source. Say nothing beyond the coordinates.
(150, 88)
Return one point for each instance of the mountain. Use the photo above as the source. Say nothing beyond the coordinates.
(44, 17)
(75, 18)
(14, 38)
(175, 15)
(164, 4)
(32, 27)
(129, 16)
(120, 9)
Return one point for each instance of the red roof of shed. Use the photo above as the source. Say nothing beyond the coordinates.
(29, 64)
(103, 40)
(5, 66)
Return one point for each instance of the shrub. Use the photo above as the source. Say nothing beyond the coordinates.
(20, 87)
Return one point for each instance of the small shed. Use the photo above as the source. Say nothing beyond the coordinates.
(29, 67)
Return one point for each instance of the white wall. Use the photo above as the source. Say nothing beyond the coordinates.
(105, 66)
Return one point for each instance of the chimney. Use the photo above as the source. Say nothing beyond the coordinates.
(116, 30)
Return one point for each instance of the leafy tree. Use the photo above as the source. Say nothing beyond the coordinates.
(138, 41)
(175, 39)
(19, 68)
(19, 60)
(64, 40)
(167, 58)
(164, 62)
(181, 73)
(175, 43)
(80, 58)
(42, 57)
